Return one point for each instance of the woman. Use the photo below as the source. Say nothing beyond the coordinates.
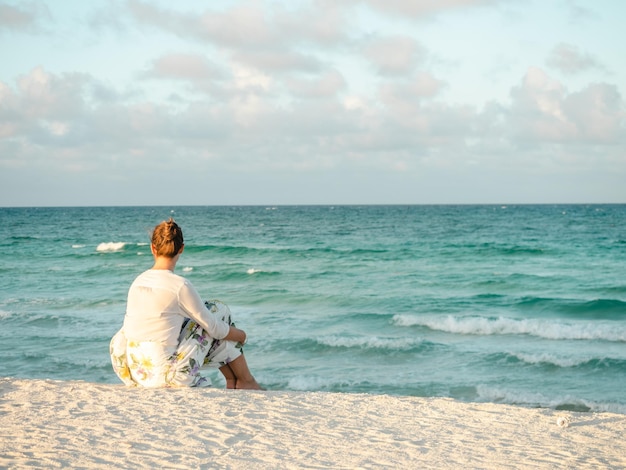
(169, 333)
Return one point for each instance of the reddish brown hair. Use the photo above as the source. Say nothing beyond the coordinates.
(167, 238)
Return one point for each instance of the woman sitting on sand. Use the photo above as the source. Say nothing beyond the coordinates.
(169, 333)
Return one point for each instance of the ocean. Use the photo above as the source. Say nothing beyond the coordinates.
(517, 304)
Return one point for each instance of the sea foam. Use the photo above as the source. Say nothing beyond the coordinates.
(562, 361)
(370, 342)
(107, 247)
(526, 398)
(543, 328)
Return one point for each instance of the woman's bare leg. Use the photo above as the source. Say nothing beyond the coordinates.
(244, 378)
(229, 375)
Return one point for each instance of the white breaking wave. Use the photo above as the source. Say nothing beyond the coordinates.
(313, 383)
(550, 329)
(256, 271)
(546, 358)
(107, 247)
(501, 395)
(370, 342)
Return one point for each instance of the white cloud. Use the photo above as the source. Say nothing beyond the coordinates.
(182, 66)
(25, 17)
(397, 55)
(544, 111)
(422, 7)
(328, 84)
(248, 25)
(272, 41)
(599, 114)
(278, 61)
(50, 117)
(570, 59)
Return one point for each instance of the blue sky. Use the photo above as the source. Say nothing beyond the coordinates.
(312, 102)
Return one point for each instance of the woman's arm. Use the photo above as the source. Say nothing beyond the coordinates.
(236, 335)
(193, 307)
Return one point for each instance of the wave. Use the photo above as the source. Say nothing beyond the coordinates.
(536, 399)
(359, 345)
(4, 314)
(85, 360)
(261, 272)
(601, 305)
(373, 342)
(108, 247)
(241, 274)
(56, 324)
(515, 250)
(549, 329)
(549, 359)
(605, 308)
(243, 250)
(15, 239)
(496, 249)
(616, 289)
(309, 383)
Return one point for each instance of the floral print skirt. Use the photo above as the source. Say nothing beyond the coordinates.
(150, 364)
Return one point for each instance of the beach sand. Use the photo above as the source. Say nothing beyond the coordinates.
(54, 424)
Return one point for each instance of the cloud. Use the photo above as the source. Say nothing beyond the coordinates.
(40, 101)
(56, 121)
(109, 16)
(23, 17)
(278, 61)
(327, 84)
(423, 85)
(542, 110)
(272, 42)
(247, 25)
(570, 59)
(420, 8)
(598, 113)
(250, 126)
(59, 122)
(190, 67)
(397, 55)
(578, 14)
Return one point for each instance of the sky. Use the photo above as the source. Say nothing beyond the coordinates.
(117, 103)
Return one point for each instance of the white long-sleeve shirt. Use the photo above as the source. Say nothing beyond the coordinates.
(158, 303)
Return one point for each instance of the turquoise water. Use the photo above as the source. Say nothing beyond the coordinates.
(508, 304)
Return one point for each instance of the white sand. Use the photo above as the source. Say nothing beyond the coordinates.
(50, 424)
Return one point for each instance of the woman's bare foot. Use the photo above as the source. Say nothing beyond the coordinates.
(248, 385)
(245, 380)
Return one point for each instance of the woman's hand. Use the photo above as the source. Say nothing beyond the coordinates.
(236, 335)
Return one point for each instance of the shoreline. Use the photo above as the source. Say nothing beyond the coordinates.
(53, 424)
